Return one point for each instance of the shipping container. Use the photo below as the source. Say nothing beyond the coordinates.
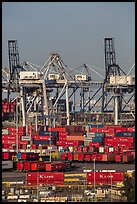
(5, 132)
(96, 125)
(126, 134)
(29, 156)
(98, 139)
(45, 176)
(7, 165)
(99, 134)
(131, 129)
(70, 156)
(8, 155)
(27, 166)
(57, 129)
(45, 182)
(64, 156)
(56, 166)
(95, 144)
(81, 156)
(88, 157)
(105, 177)
(39, 165)
(20, 166)
(118, 158)
(80, 149)
(8, 141)
(77, 138)
(8, 137)
(108, 157)
(42, 137)
(75, 156)
(127, 158)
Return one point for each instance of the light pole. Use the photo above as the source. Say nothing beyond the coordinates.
(94, 181)
(37, 183)
(111, 186)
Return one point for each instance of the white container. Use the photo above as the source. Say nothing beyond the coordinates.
(17, 192)
(24, 196)
(5, 132)
(12, 197)
(29, 75)
(60, 148)
(131, 80)
(71, 149)
(21, 191)
(22, 200)
(121, 80)
(7, 165)
(53, 76)
(111, 149)
(82, 77)
(25, 138)
(101, 149)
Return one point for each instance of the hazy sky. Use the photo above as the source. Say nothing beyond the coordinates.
(74, 30)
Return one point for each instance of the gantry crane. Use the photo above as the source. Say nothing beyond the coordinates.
(54, 81)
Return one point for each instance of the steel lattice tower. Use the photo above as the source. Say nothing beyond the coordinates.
(14, 63)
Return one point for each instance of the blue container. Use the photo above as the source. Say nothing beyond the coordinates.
(129, 134)
(97, 139)
(46, 133)
(99, 134)
(19, 155)
(43, 133)
(43, 142)
(96, 125)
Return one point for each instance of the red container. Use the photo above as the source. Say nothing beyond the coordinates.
(70, 156)
(37, 183)
(69, 143)
(64, 133)
(8, 141)
(33, 146)
(99, 157)
(122, 129)
(57, 166)
(38, 166)
(95, 144)
(29, 156)
(8, 155)
(88, 157)
(127, 158)
(41, 137)
(116, 149)
(27, 165)
(94, 157)
(57, 129)
(45, 176)
(108, 134)
(23, 142)
(118, 158)
(85, 148)
(20, 166)
(81, 157)
(64, 156)
(8, 137)
(105, 177)
(80, 149)
(131, 129)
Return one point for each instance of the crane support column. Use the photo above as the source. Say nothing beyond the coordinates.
(45, 102)
(116, 109)
(67, 105)
(23, 106)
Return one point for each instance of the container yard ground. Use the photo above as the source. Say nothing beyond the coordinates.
(19, 176)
